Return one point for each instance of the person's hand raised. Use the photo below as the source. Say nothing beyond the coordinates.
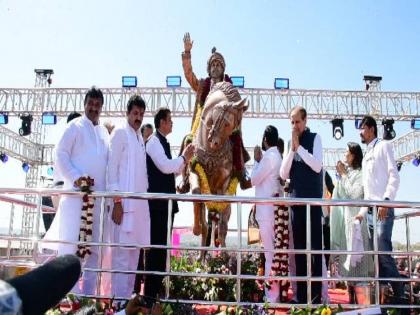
(257, 153)
(188, 43)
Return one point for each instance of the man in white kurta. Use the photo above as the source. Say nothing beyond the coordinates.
(82, 151)
(127, 171)
(265, 178)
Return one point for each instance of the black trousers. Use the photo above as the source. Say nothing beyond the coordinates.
(156, 258)
(299, 238)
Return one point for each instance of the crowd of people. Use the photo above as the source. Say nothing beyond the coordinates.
(133, 158)
(372, 176)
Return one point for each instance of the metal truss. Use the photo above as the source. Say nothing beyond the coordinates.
(407, 146)
(264, 103)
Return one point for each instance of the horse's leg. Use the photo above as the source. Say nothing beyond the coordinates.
(195, 189)
(223, 226)
(203, 253)
(198, 227)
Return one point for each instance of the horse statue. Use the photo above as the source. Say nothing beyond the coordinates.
(213, 166)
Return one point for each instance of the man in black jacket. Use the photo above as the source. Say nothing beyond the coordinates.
(161, 170)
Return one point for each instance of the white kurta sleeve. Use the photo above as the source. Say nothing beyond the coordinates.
(287, 165)
(64, 152)
(116, 149)
(314, 160)
(156, 152)
(261, 170)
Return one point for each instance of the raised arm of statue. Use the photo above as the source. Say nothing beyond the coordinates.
(186, 63)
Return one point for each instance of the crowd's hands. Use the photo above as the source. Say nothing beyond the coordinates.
(188, 152)
(295, 140)
(257, 153)
(188, 43)
(117, 213)
(341, 168)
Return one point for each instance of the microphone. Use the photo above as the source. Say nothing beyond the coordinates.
(44, 287)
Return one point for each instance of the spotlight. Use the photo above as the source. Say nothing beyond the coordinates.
(25, 167)
(4, 118)
(173, 81)
(389, 132)
(129, 81)
(281, 83)
(49, 119)
(338, 129)
(358, 123)
(399, 164)
(50, 171)
(3, 157)
(26, 124)
(416, 161)
(415, 123)
(238, 82)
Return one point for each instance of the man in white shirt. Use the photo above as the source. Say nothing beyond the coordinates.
(380, 181)
(161, 170)
(265, 178)
(127, 172)
(303, 165)
(82, 151)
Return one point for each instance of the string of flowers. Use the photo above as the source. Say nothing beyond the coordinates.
(197, 120)
(280, 266)
(205, 188)
(86, 218)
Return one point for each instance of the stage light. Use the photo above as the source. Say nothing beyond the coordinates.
(281, 83)
(4, 118)
(338, 129)
(3, 157)
(26, 124)
(25, 167)
(416, 161)
(49, 118)
(358, 123)
(50, 171)
(389, 132)
(129, 81)
(173, 81)
(399, 165)
(415, 123)
(238, 82)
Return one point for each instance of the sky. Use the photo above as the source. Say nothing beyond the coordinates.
(317, 44)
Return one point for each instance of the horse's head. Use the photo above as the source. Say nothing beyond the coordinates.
(221, 115)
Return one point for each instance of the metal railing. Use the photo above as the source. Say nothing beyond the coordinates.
(239, 248)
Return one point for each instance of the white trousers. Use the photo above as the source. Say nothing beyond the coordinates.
(267, 237)
(122, 284)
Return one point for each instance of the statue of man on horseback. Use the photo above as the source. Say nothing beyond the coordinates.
(218, 170)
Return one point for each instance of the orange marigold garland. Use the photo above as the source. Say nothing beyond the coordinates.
(86, 218)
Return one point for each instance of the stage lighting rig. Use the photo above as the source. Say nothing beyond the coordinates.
(338, 128)
(25, 129)
(389, 132)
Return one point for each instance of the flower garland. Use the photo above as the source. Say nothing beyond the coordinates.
(197, 120)
(280, 266)
(205, 188)
(86, 218)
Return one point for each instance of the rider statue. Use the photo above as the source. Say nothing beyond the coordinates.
(216, 70)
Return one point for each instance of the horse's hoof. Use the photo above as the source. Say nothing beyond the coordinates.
(196, 230)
